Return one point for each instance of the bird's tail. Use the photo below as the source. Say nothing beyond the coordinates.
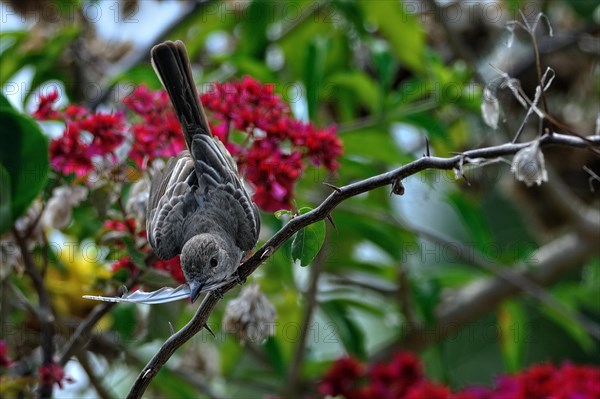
(171, 63)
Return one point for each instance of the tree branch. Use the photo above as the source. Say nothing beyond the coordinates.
(321, 212)
(80, 335)
(45, 315)
(476, 299)
(311, 301)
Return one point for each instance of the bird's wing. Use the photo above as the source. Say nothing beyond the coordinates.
(172, 198)
(216, 171)
(218, 178)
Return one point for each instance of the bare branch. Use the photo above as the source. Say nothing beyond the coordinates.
(45, 315)
(81, 335)
(320, 213)
(311, 302)
(476, 299)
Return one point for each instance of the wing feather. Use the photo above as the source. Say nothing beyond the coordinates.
(171, 199)
(215, 172)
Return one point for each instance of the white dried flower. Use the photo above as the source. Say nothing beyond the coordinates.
(138, 201)
(250, 316)
(528, 165)
(490, 108)
(59, 209)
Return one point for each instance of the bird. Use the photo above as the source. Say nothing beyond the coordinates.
(198, 205)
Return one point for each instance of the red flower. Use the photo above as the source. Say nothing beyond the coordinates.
(86, 135)
(120, 225)
(68, 154)
(123, 263)
(256, 110)
(342, 379)
(53, 374)
(45, 109)
(158, 134)
(171, 266)
(427, 390)
(5, 361)
(272, 156)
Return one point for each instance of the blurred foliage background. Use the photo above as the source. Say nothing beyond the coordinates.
(388, 74)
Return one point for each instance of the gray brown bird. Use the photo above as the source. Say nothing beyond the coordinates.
(198, 206)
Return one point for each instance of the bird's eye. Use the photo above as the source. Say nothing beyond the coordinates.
(214, 262)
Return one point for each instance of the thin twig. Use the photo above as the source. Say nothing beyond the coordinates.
(46, 317)
(101, 390)
(81, 334)
(319, 213)
(316, 268)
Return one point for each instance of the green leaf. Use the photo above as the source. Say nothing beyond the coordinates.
(4, 103)
(362, 87)
(24, 159)
(400, 28)
(308, 242)
(470, 213)
(513, 325)
(124, 321)
(345, 327)
(374, 145)
(314, 72)
(275, 356)
(5, 200)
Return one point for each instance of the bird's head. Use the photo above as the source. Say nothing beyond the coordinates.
(208, 262)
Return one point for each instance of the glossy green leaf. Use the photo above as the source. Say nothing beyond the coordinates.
(314, 72)
(124, 321)
(345, 327)
(401, 29)
(359, 84)
(275, 356)
(308, 242)
(473, 221)
(24, 157)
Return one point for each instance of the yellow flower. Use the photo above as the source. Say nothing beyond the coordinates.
(77, 274)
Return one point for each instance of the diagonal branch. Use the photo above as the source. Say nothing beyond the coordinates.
(476, 299)
(321, 212)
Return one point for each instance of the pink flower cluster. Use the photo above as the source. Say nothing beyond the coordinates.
(278, 143)
(156, 132)
(87, 135)
(272, 156)
(403, 377)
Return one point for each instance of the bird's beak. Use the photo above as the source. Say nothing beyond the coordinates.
(195, 290)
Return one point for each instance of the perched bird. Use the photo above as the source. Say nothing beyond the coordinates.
(198, 206)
